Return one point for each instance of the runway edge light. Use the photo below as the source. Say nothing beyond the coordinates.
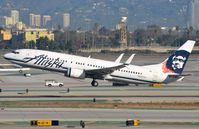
(131, 122)
(44, 123)
(156, 85)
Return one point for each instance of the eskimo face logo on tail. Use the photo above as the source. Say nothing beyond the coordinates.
(176, 62)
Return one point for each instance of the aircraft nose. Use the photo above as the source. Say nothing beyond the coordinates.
(7, 56)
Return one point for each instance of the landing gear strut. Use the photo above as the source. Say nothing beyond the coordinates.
(94, 83)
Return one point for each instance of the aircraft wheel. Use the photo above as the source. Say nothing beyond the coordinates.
(60, 85)
(94, 83)
(49, 85)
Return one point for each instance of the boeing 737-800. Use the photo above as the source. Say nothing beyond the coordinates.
(169, 70)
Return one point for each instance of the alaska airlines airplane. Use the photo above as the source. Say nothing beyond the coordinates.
(169, 70)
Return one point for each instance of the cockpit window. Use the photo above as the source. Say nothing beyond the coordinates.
(15, 52)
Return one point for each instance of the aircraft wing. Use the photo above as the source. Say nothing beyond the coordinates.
(3, 66)
(12, 68)
(129, 60)
(119, 58)
(15, 69)
(98, 73)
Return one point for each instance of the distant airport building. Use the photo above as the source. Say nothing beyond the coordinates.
(35, 20)
(20, 26)
(34, 34)
(1, 21)
(66, 20)
(5, 35)
(122, 27)
(11, 21)
(7, 21)
(31, 19)
(46, 20)
(194, 13)
(15, 17)
(38, 20)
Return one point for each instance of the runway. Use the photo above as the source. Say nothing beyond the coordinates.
(74, 114)
(118, 116)
(14, 88)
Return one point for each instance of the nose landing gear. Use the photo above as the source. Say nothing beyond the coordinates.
(94, 83)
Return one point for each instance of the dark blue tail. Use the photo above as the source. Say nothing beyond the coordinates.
(176, 62)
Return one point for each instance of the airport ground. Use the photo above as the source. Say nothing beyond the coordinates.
(174, 105)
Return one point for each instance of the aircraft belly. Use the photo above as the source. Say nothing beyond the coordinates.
(125, 79)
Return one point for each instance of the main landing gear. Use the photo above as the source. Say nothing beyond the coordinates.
(94, 83)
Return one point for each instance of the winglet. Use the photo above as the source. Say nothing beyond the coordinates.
(119, 58)
(128, 61)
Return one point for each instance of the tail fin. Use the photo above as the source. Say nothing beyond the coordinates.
(176, 61)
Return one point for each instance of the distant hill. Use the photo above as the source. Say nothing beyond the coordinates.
(85, 13)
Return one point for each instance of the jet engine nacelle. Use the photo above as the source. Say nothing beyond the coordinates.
(75, 73)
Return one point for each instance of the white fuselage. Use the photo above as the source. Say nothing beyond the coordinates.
(59, 62)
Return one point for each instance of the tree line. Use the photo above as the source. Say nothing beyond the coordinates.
(103, 37)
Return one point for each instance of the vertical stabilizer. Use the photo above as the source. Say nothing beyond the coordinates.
(176, 62)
